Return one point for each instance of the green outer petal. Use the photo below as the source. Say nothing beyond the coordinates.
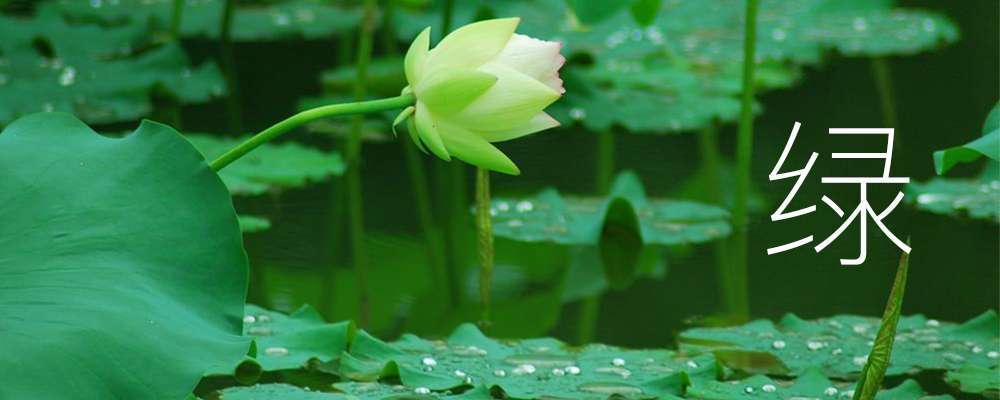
(448, 90)
(540, 122)
(474, 44)
(416, 56)
(403, 115)
(513, 101)
(428, 131)
(411, 127)
(469, 147)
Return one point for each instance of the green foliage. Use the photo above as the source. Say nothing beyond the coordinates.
(551, 217)
(693, 49)
(122, 270)
(530, 368)
(101, 74)
(271, 167)
(253, 223)
(873, 372)
(978, 198)
(276, 391)
(840, 344)
(986, 145)
(252, 21)
(293, 341)
(976, 379)
(812, 384)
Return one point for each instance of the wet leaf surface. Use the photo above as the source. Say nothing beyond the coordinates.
(551, 217)
(259, 21)
(840, 345)
(101, 74)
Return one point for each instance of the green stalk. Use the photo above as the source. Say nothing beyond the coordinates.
(452, 175)
(354, 189)
(175, 22)
(590, 307)
(229, 67)
(734, 279)
(484, 227)
(605, 160)
(883, 85)
(333, 110)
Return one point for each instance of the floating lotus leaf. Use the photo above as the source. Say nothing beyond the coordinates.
(381, 391)
(276, 391)
(811, 385)
(95, 72)
(986, 145)
(551, 217)
(309, 19)
(977, 198)
(293, 341)
(696, 46)
(525, 369)
(976, 379)
(840, 345)
(270, 167)
(122, 271)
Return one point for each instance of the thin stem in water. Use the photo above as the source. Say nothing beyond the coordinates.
(734, 278)
(228, 51)
(354, 189)
(484, 227)
(175, 22)
(362, 107)
(883, 85)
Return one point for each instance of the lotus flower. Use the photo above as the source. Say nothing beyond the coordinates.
(482, 83)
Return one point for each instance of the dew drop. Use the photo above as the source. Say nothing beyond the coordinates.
(778, 35)
(428, 361)
(577, 113)
(860, 24)
(276, 351)
(748, 389)
(260, 331)
(608, 388)
(830, 391)
(281, 19)
(524, 206)
(422, 390)
(618, 362)
(249, 319)
(769, 388)
(860, 360)
(574, 370)
(992, 355)
(778, 344)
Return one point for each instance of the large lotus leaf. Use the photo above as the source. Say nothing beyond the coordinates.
(92, 71)
(840, 344)
(122, 271)
(976, 379)
(531, 368)
(256, 21)
(270, 167)
(551, 217)
(986, 145)
(811, 385)
(977, 198)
